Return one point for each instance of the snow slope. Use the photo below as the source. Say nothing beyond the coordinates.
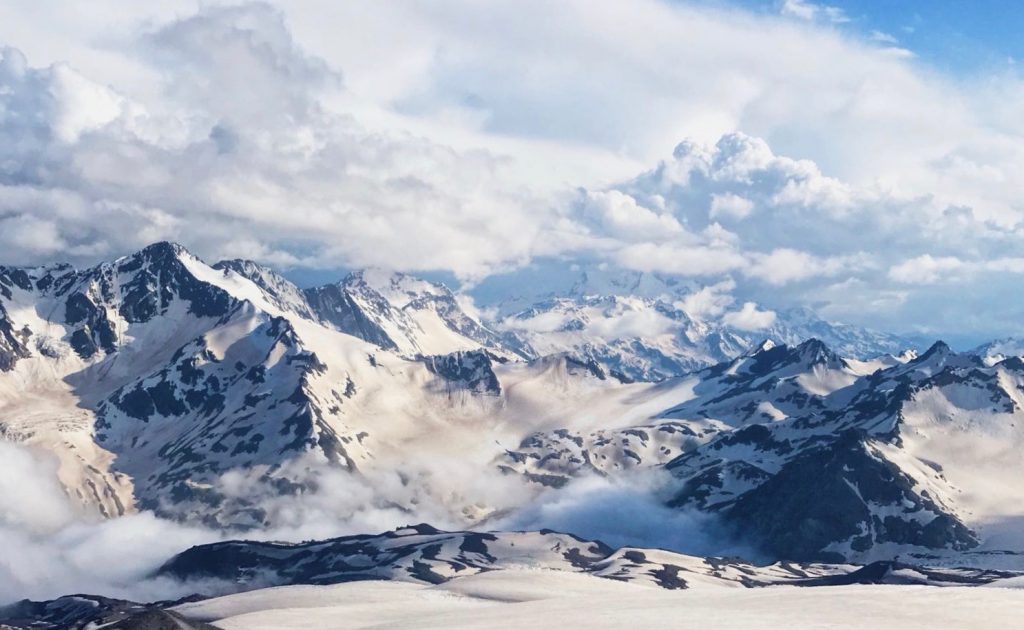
(419, 575)
(532, 599)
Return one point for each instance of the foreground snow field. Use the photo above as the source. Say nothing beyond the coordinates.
(553, 599)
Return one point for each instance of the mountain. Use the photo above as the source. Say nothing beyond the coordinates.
(634, 338)
(153, 376)
(545, 280)
(225, 395)
(801, 453)
(81, 612)
(767, 384)
(999, 350)
(405, 314)
(866, 452)
(422, 556)
(422, 553)
(651, 339)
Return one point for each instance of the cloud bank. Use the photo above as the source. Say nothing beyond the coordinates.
(52, 550)
(786, 153)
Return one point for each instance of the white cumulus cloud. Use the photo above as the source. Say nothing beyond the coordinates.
(750, 318)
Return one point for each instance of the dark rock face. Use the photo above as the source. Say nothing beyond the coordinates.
(335, 306)
(469, 371)
(553, 458)
(732, 391)
(425, 554)
(833, 494)
(12, 343)
(160, 277)
(704, 489)
(386, 315)
(95, 331)
(199, 416)
(817, 484)
(138, 288)
(575, 365)
(899, 573)
(80, 612)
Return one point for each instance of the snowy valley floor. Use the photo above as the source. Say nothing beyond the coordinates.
(537, 599)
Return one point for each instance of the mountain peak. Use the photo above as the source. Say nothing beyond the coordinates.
(937, 349)
(163, 249)
(764, 346)
(814, 351)
(396, 287)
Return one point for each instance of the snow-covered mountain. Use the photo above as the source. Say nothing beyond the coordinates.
(805, 455)
(217, 394)
(302, 575)
(999, 350)
(651, 339)
(769, 383)
(402, 313)
(152, 376)
(422, 553)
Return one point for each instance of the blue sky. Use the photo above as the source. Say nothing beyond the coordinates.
(954, 36)
(859, 157)
(958, 36)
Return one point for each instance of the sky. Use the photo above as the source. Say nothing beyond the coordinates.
(957, 37)
(859, 157)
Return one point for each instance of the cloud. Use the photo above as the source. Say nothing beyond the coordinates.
(812, 11)
(426, 137)
(241, 155)
(31, 234)
(749, 318)
(928, 269)
(730, 205)
(709, 301)
(684, 260)
(51, 549)
(925, 269)
(631, 325)
(626, 510)
(30, 496)
(620, 216)
(781, 266)
(883, 38)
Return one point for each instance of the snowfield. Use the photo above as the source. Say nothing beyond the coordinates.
(536, 599)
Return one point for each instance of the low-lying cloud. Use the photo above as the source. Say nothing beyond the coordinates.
(627, 510)
(51, 550)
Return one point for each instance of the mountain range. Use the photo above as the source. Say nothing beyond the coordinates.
(423, 555)
(224, 395)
